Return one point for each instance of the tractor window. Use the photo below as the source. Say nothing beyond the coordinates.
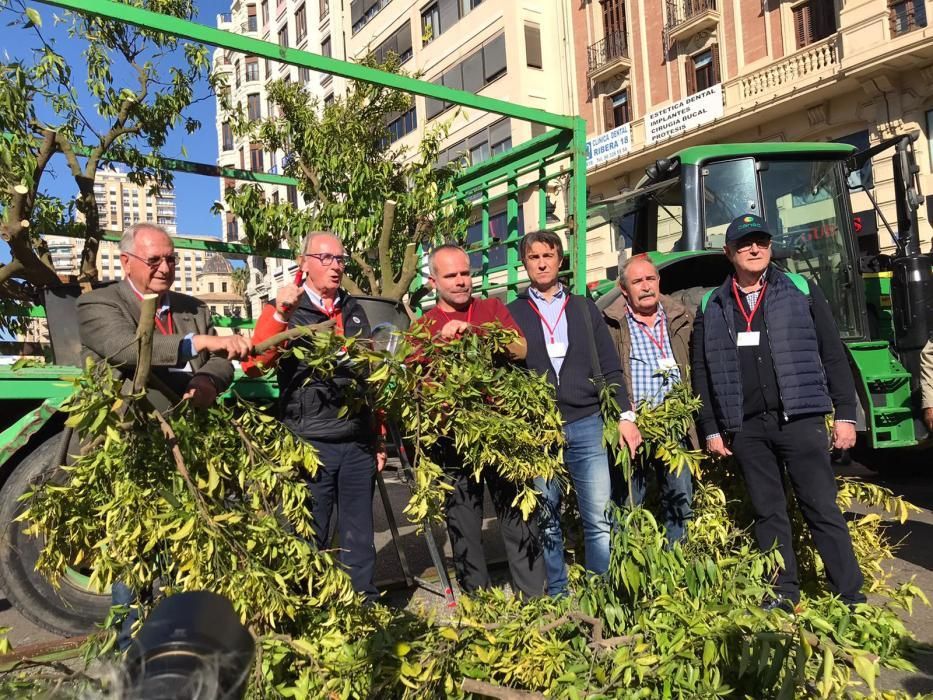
(730, 189)
(803, 206)
(650, 218)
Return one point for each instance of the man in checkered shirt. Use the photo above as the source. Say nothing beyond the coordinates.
(652, 335)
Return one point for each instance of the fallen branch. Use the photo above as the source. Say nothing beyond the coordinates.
(291, 334)
(470, 685)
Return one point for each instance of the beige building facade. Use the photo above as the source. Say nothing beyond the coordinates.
(515, 51)
(656, 76)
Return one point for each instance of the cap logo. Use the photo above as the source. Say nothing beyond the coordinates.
(748, 219)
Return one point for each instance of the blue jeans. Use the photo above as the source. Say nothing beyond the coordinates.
(676, 495)
(121, 594)
(588, 463)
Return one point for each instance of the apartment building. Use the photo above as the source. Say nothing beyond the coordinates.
(515, 51)
(655, 76)
(309, 25)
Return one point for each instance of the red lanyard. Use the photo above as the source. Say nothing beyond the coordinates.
(551, 331)
(748, 317)
(657, 342)
(334, 314)
(448, 319)
(168, 328)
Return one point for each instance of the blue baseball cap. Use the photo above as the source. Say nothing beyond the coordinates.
(746, 225)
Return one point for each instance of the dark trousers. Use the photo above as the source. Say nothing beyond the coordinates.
(346, 479)
(465, 526)
(761, 447)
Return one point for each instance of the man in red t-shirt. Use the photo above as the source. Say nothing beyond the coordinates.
(456, 313)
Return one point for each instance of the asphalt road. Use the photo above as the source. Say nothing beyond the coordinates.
(914, 558)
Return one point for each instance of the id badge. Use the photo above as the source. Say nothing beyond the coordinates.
(556, 349)
(666, 364)
(747, 339)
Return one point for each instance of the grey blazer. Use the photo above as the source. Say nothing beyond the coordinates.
(108, 318)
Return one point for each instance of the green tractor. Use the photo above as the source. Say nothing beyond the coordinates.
(678, 215)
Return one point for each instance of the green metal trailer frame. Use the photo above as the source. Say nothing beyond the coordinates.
(558, 153)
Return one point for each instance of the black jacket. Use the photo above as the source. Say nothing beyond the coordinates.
(577, 394)
(308, 405)
(799, 367)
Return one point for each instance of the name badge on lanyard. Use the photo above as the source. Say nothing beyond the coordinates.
(747, 339)
(557, 350)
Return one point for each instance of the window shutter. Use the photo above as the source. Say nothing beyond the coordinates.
(473, 80)
(717, 75)
(533, 56)
(494, 58)
(608, 116)
(500, 131)
(404, 38)
(449, 14)
(803, 25)
(691, 75)
(356, 11)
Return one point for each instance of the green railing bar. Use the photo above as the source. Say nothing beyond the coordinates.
(511, 252)
(185, 243)
(195, 168)
(325, 64)
(578, 204)
(520, 159)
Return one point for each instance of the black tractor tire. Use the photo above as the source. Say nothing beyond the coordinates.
(71, 608)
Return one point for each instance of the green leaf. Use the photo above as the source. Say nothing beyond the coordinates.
(866, 668)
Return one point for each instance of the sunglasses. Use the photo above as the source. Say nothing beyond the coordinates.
(155, 262)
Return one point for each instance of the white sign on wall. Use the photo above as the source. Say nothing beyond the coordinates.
(698, 109)
(608, 146)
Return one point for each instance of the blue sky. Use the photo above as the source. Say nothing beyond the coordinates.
(194, 194)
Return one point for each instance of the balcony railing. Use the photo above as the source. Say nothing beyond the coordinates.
(607, 50)
(225, 17)
(680, 11)
(808, 62)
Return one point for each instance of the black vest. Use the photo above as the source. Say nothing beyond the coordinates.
(309, 406)
(790, 346)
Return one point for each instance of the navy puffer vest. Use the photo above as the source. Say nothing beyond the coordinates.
(793, 344)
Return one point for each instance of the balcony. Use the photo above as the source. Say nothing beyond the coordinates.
(608, 57)
(688, 17)
(250, 26)
(810, 65)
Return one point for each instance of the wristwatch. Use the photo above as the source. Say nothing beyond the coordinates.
(628, 415)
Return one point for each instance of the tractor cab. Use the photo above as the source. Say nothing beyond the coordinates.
(679, 213)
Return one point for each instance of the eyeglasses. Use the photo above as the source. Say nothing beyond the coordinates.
(155, 262)
(746, 244)
(327, 259)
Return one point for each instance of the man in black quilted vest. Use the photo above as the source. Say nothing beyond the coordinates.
(769, 365)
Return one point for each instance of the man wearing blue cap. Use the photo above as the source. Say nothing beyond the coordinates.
(768, 365)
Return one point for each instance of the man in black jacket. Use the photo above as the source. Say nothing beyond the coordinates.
(349, 448)
(559, 340)
(768, 365)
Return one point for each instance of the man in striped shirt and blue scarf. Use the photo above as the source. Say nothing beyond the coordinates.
(652, 336)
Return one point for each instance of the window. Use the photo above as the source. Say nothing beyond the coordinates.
(268, 68)
(328, 99)
(533, 58)
(325, 46)
(402, 124)
(864, 178)
(253, 110)
(291, 194)
(304, 74)
(617, 110)
(252, 68)
(906, 15)
(227, 136)
(702, 70)
(323, 8)
(275, 197)
(301, 24)
(265, 12)
(251, 23)
(813, 20)
(255, 157)
(362, 11)
(283, 36)
(499, 232)
(210, 289)
(614, 16)
(472, 74)
(398, 43)
(489, 141)
(441, 15)
(223, 287)
(236, 72)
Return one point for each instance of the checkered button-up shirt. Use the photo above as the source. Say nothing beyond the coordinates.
(649, 382)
